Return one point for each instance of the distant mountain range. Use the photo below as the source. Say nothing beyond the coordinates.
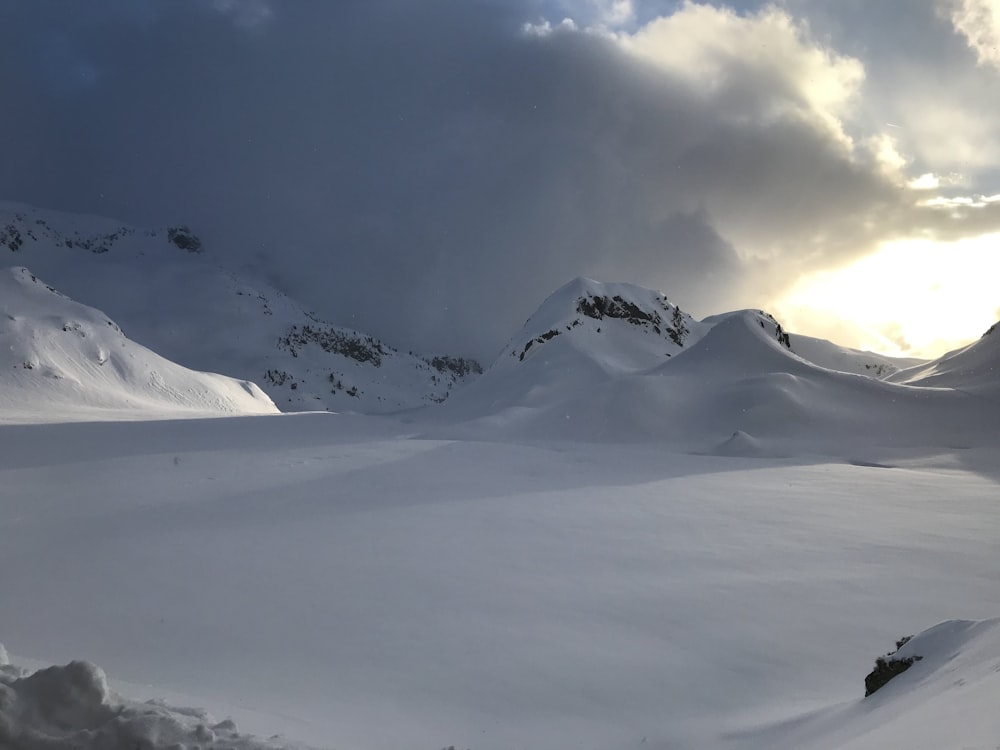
(600, 359)
(164, 289)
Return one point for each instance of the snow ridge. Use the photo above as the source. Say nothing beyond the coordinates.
(62, 360)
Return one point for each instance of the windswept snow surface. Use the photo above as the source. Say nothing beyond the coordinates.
(975, 367)
(594, 546)
(346, 584)
(61, 361)
(732, 376)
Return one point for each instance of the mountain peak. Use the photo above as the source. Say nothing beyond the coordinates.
(591, 313)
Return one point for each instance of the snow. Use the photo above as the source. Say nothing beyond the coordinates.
(595, 545)
(72, 706)
(350, 585)
(60, 360)
(974, 368)
(187, 308)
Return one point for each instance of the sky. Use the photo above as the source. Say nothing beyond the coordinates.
(429, 170)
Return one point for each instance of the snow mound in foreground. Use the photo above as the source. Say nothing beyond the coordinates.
(71, 708)
(61, 361)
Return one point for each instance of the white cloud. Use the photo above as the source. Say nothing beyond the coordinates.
(617, 12)
(885, 150)
(979, 22)
(545, 28)
(926, 181)
(765, 65)
(962, 201)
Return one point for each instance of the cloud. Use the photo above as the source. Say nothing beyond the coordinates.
(430, 171)
(248, 14)
(926, 181)
(759, 67)
(979, 22)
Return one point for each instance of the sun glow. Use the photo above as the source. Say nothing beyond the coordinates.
(917, 298)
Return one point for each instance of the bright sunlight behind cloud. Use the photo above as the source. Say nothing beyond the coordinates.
(912, 297)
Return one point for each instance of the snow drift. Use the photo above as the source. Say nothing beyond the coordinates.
(71, 708)
(60, 360)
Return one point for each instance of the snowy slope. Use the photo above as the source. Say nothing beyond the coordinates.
(844, 359)
(60, 360)
(168, 294)
(734, 384)
(583, 334)
(946, 699)
(350, 587)
(975, 367)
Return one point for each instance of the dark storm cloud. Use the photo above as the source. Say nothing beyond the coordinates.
(425, 171)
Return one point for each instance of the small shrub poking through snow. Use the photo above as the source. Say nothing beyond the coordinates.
(888, 666)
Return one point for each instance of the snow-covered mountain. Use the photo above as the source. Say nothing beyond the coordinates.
(583, 334)
(667, 515)
(169, 295)
(975, 367)
(618, 362)
(63, 361)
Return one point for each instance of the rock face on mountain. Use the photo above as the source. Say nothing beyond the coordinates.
(60, 360)
(169, 295)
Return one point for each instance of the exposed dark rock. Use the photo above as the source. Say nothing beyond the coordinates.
(10, 236)
(460, 367)
(783, 338)
(364, 349)
(277, 377)
(600, 307)
(185, 239)
(547, 336)
(889, 666)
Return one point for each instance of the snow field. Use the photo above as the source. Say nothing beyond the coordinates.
(351, 586)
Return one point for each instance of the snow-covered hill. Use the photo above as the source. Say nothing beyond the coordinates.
(583, 334)
(61, 361)
(975, 367)
(617, 362)
(166, 292)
